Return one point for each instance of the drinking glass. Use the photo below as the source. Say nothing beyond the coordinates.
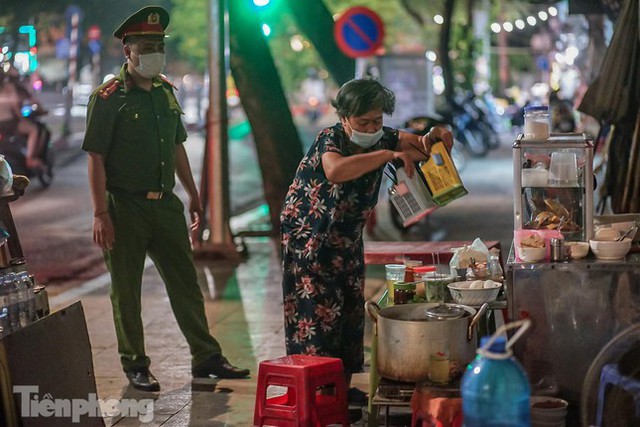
(393, 273)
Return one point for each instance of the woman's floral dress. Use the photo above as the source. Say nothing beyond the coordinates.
(323, 253)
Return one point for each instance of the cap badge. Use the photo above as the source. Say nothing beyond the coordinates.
(153, 19)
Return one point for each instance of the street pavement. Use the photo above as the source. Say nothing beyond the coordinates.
(244, 305)
(243, 302)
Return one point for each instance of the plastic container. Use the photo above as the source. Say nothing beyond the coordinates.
(563, 169)
(535, 177)
(536, 122)
(495, 389)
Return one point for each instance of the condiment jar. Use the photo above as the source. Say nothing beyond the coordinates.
(404, 293)
(557, 250)
(419, 274)
(439, 366)
(410, 264)
(494, 267)
(536, 122)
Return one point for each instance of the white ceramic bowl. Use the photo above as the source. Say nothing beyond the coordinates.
(527, 254)
(610, 250)
(578, 250)
(462, 294)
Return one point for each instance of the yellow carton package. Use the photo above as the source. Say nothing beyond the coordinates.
(441, 176)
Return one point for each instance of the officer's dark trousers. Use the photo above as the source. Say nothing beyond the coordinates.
(157, 228)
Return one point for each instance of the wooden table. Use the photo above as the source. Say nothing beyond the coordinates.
(427, 252)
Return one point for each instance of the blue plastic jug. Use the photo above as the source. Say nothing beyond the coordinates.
(495, 388)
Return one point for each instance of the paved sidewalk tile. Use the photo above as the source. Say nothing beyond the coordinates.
(244, 309)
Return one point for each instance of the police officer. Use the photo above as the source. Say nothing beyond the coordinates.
(134, 142)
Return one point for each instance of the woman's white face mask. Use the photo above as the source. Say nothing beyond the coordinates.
(364, 139)
(151, 64)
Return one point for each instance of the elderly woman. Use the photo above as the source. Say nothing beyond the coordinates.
(334, 191)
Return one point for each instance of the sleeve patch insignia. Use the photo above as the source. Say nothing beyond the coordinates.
(109, 88)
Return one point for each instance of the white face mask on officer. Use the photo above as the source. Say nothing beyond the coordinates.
(151, 64)
(364, 139)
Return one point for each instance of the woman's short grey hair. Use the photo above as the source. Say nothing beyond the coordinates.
(359, 96)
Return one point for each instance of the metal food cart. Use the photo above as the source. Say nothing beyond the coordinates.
(576, 308)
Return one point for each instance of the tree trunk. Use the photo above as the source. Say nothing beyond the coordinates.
(503, 59)
(445, 38)
(276, 138)
(316, 22)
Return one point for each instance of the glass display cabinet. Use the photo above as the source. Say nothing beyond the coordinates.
(554, 185)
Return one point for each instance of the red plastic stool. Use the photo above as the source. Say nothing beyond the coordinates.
(428, 409)
(301, 405)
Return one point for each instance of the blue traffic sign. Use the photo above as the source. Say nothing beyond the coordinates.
(359, 32)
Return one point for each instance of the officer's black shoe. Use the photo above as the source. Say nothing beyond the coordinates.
(218, 365)
(142, 379)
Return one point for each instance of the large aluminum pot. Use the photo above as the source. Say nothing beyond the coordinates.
(407, 338)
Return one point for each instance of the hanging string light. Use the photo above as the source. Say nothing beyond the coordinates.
(520, 23)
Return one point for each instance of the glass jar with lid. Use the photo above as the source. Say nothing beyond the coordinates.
(404, 293)
(410, 264)
(536, 122)
(419, 274)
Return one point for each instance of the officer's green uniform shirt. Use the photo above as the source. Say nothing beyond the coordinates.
(136, 131)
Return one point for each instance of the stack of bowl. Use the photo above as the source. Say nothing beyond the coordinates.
(548, 411)
(605, 244)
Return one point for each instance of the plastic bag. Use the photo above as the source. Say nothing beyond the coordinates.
(462, 256)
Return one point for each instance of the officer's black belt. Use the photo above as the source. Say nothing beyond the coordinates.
(149, 195)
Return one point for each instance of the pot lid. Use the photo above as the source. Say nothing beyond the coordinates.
(445, 312)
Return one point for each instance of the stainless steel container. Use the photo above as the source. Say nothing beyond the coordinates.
(407, 338)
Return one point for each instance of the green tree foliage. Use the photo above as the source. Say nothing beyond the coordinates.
(190, 31)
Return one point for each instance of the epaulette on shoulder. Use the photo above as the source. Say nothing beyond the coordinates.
(108, 88)
(166, 80)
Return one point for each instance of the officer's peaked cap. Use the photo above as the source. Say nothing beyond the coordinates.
(148, 21)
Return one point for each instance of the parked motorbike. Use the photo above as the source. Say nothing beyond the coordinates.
(488, 119)
(471, 125)
(14, 147)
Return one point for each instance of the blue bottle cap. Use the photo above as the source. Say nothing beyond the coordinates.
(498, 346)
(536, 108)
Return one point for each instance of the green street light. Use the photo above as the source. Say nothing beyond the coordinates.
(266, 30)
(261, 3)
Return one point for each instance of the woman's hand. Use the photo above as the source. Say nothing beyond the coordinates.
(406, 160)
(440, 133)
